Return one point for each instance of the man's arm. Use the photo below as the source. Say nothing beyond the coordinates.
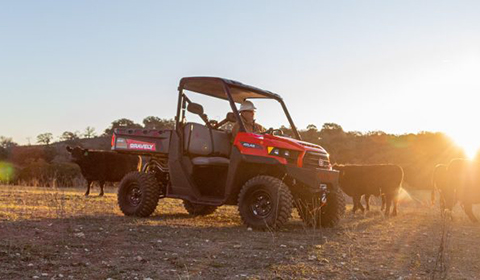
(259, 128)
(235, 130)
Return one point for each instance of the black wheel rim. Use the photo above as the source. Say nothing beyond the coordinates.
(260, 204)
(134, 194)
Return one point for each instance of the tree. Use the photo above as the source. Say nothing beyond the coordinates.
(69, 136)
(153, 122)
(7, 143)
(121, 123)
(6, 146)
(311, 134)
(286, 130)
(376, 133)
(332, 126)
(44, 138)
(311, 127)
(89, 132)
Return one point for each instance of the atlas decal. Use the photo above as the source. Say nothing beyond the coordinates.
(143, 146)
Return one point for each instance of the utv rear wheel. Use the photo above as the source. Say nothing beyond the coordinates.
(333, 211)
(198, 209)
(138, 194)
(265, 202)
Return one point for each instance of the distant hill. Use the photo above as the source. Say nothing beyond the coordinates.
(56, 152)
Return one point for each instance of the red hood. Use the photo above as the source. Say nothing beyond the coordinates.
(300, 144)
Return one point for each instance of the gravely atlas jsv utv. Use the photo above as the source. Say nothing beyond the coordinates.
(266, 174)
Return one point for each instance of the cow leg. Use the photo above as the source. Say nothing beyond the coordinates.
(468, 210)
(360, 205)
(89, 184)
(356, 203)
(367, 201)
(395, 204)
(383, 202)
(442, 205)
(102, 184)
(388, 203)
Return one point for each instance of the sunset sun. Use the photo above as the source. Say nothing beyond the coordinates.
(468, 142)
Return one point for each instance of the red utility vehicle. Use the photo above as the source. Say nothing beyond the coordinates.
(266, 174)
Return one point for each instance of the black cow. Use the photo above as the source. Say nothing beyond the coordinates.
(379, 180)
(462, 184)
(102, 166)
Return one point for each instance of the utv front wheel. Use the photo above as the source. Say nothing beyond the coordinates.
(333, 211)
(138, 194)
(265, 203)
(198, 209)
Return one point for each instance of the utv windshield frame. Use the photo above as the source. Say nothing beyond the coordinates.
(233, 91)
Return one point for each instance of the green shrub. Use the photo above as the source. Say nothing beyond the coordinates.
(7, 173)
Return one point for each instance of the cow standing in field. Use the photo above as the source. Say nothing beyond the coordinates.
(102, 166)
(367, 201)
(379, 180)
(439, 182)
(460, 184)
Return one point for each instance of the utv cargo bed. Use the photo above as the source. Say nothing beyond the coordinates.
(141, 141)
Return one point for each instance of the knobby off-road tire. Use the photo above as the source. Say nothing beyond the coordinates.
(198, 209)
(310, 212)
(138, 194)
(265, 202)
(334, 209)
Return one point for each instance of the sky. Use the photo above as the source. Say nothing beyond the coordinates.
(396, 66)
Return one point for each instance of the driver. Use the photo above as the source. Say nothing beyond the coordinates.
(247, 113)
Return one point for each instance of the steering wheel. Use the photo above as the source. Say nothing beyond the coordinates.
(213, 123)
(272, 131)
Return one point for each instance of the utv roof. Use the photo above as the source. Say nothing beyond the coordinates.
(214, 86)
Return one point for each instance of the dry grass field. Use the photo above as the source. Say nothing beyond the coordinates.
(60, 234)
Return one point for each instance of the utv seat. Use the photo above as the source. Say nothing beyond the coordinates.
(205, 146)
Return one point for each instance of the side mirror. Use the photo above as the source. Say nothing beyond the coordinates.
(195, 108)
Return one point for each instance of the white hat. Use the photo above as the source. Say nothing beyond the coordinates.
(247, 106)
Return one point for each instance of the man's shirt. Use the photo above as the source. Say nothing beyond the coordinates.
(250, 127)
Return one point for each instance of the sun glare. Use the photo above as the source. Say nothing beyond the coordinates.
(470, 151)
(469, 143)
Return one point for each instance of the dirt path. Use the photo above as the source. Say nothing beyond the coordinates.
(48, 234)
(463, 254)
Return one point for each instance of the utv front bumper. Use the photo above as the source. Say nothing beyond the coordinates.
(313, 181)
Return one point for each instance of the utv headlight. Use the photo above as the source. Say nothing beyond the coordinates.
(290, 155)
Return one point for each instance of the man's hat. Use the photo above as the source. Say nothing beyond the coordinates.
(247, 106)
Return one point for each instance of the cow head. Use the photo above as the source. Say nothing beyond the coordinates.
(341, 169)
(440, 177)
(77, 153)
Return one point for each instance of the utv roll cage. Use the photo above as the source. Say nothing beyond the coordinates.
(233, 91)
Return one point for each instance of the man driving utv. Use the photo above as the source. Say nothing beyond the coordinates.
(247, 113)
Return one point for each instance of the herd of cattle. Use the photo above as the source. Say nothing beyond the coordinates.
(457, 182)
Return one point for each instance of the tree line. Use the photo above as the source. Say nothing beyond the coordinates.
(416, 153)
(47, 138)
(47, 164)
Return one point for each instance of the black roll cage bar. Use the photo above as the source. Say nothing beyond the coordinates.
(227, 84)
